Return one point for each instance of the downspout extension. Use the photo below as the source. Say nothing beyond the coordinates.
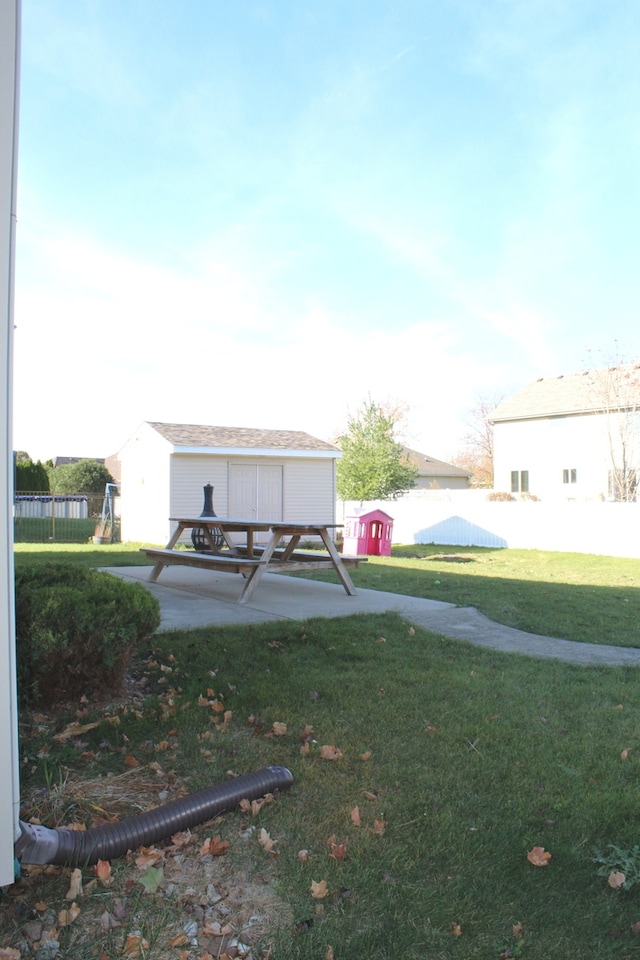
(81, 848)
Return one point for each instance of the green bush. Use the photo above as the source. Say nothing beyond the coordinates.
(76, 630)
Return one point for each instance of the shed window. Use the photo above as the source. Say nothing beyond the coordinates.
(570, 476)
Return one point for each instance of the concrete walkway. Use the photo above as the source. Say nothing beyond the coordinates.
(191, 598)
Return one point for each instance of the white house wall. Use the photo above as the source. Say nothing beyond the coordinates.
(145, 487)
(547, 447)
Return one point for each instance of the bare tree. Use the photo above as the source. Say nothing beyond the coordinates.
(476, 455)
(616, 394)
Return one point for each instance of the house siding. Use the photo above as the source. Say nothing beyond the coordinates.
(309, 491)
(547, 447)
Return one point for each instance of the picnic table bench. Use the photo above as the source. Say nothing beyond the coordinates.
(251, 560)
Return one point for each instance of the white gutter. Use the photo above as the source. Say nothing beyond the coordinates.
(9, 767)
(274, 452)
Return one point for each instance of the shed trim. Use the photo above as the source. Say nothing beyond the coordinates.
(248, 452)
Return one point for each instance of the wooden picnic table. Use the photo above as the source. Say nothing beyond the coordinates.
(250, 559)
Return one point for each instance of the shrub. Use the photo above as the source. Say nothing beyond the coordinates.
(76, 630)
(500, 495)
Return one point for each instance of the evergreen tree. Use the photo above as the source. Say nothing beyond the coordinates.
(373, 465)
(30, 477)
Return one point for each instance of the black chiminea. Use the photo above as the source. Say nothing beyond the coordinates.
(198, 538)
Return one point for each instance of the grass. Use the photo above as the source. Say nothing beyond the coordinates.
(460, 761)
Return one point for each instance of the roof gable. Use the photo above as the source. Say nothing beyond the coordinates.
(190, 435)
(594, 391)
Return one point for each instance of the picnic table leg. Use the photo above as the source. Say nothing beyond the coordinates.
(255, 575)
(340, 568)
(159, 565)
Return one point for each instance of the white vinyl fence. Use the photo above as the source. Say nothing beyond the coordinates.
(467, 518)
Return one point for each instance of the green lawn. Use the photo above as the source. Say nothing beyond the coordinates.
(459, 761)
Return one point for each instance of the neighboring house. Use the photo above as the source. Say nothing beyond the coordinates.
(436, 474)
(262, 474)
(573, 437)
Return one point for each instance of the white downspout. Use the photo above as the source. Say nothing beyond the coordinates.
(9, 768)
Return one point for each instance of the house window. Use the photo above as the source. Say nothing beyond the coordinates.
(570, 476)
(519, 481)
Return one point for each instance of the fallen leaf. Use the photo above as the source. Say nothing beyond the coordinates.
(456, 929)
(355, 816)
(372, 795)
(252, 806)
(337, 851)
(148, 857)
(213, 928)
(152, 879)
(108, 922)
(75, 729)
(266, 841)
(616, 880)
(624, 755)
(75, 885)
(130, 761)
(67, 916)
(134, 945)
(307, 733)
(9, 953)
(379, 827)
(278, 729)
(329, 955)
(366, 755)
(635, 929)
(539, 857)
(214, 847)
(304, 749)
(329, 752)
(412, 631)
(319, 889)
(518, 931)
(182, 839)
(381, 640)
(179, 940)
(102, 871)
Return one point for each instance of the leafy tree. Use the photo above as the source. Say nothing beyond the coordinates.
(30, 477)
(85, 476)
(373, 464)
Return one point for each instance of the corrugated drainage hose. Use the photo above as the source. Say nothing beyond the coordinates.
(79, 848)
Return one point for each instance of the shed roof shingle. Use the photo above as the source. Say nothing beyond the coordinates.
(593, 391)
(200, 435)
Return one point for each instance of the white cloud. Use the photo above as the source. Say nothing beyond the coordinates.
(104, 341)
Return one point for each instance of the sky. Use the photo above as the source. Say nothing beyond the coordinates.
(265, 213)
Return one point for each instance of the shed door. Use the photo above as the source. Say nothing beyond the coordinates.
(255, 491)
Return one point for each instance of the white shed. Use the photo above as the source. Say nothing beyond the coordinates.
(256, 474)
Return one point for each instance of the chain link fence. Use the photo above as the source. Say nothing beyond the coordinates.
(49, 518)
